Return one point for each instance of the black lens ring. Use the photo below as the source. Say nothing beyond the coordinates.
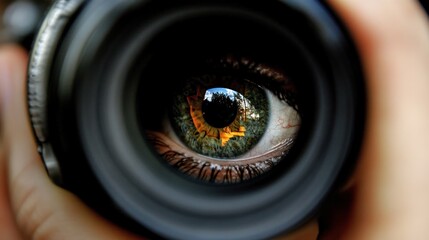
(163, 215)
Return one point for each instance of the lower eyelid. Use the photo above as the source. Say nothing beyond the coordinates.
(229, 172)
(163, 144)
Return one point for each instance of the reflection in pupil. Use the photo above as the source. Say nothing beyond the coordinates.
(216, 115)
(220, 107)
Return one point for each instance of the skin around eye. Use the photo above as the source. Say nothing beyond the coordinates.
(228, 128)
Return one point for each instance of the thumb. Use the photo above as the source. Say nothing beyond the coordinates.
(391, 192)
(41, 209)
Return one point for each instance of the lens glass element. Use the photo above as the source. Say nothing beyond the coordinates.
(215, 107)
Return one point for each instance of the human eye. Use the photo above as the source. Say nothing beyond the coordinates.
(231, 121)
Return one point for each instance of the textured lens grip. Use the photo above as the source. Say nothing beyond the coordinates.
(40, 63)
(39, 68)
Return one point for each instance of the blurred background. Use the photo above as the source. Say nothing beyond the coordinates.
(19, 20)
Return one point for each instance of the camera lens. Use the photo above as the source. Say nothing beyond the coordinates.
(198, 120)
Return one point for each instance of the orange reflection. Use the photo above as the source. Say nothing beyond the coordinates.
(224, 134)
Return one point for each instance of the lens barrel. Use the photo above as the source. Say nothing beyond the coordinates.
(93, 59)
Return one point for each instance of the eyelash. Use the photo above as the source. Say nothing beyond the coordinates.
(233, 174)
(222, 172)
(268, 77)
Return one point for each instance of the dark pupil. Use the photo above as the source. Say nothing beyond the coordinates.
(219, 107)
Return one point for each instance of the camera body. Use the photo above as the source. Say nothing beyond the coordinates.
(101, 77)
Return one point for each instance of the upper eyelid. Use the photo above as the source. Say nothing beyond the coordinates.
(268, 76)
(240, 63)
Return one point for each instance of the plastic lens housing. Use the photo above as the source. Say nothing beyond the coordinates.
(92, 58)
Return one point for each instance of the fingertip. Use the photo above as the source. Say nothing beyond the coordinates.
(14, 119)
(18, 142)
(374, 24)
(13, 64)
(13, 60)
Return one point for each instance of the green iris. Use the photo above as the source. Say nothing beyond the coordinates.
(219, 116)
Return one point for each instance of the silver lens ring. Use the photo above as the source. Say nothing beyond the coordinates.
(39, 68)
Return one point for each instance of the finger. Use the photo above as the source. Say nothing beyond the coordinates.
(42, 210)
(334, 215)
(392, 189)
(8, 226)
(309, 231)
